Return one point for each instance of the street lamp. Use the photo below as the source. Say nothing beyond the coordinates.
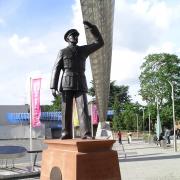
(149, 124)
(143, 120)
(174, 119)
(137, 126)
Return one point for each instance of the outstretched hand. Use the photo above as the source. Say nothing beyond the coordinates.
(87, 24)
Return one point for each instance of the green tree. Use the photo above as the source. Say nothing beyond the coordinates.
(118, 121)
(56, 105)
(120, 93)
(118, 97)
(152, 111)
(157, 72)
(129, 116)
(166, 116)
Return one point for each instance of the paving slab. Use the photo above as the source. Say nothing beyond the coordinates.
(144, 161)
(138, 160)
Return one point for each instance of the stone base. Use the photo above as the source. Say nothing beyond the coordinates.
(80, 160)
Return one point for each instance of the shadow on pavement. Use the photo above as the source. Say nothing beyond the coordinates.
(142, 155)
(149, 158)
(151, 147)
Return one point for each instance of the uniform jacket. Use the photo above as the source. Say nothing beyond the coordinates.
(71, 61)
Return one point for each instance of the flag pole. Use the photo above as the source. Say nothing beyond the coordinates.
(73, 130)
(30, 123)
(92, 132)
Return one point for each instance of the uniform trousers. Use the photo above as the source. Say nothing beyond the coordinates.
(82, 110)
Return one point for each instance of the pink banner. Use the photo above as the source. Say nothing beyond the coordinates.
(94, 114)
(35, 102)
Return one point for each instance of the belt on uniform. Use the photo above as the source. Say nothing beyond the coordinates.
(68, 73)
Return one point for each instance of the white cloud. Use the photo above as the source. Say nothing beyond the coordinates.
(12, 90)
(156, 11)
(141, 24)
(125, 65)
(77, 21)
(25, 46)
(19, 64)
(140, 27)
(125, 70)
(165, 47)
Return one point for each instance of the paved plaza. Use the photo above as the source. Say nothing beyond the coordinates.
(144, 161)
(138, 160)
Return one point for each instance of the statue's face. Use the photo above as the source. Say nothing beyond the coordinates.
(73, 38)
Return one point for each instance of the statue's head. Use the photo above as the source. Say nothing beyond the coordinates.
(71, 36)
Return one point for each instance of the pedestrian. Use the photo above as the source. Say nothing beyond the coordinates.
(129, 135)
(167, 136)
(178, 133)
(119, 137)
(160, 140)
(155, 139)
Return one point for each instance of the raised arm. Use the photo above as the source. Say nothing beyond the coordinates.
(98, 40)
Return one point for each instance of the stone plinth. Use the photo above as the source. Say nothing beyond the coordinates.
(80, 160)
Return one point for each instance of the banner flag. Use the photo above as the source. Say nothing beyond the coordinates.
(35, 102)
(75, 115)
(94, 114)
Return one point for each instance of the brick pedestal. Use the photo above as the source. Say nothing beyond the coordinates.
(80, 160)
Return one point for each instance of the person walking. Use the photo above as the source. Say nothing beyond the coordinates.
(129, 135)
(177, 133)
(161, 139)
(119, 137)
(167, 136)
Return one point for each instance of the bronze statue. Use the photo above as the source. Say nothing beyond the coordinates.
(71, 61)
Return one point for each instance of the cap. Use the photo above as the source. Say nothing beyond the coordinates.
(69, 32)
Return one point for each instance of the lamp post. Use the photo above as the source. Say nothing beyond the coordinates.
(137, 126)
(174, 119)
(149, 118)
(143, 120)
(149, 125)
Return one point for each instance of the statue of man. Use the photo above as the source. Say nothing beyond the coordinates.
(71, 61)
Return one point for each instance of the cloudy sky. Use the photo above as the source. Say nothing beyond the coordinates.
(31, 33)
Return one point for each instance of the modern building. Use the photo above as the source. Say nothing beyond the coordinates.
(15, 128)
(4, 109)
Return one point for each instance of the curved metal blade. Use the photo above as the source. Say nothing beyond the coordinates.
(101, 13)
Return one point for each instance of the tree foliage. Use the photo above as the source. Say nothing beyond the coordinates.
(158, 73)
(56, 105)
(118, 93)
(124, 110)
(117, 122)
